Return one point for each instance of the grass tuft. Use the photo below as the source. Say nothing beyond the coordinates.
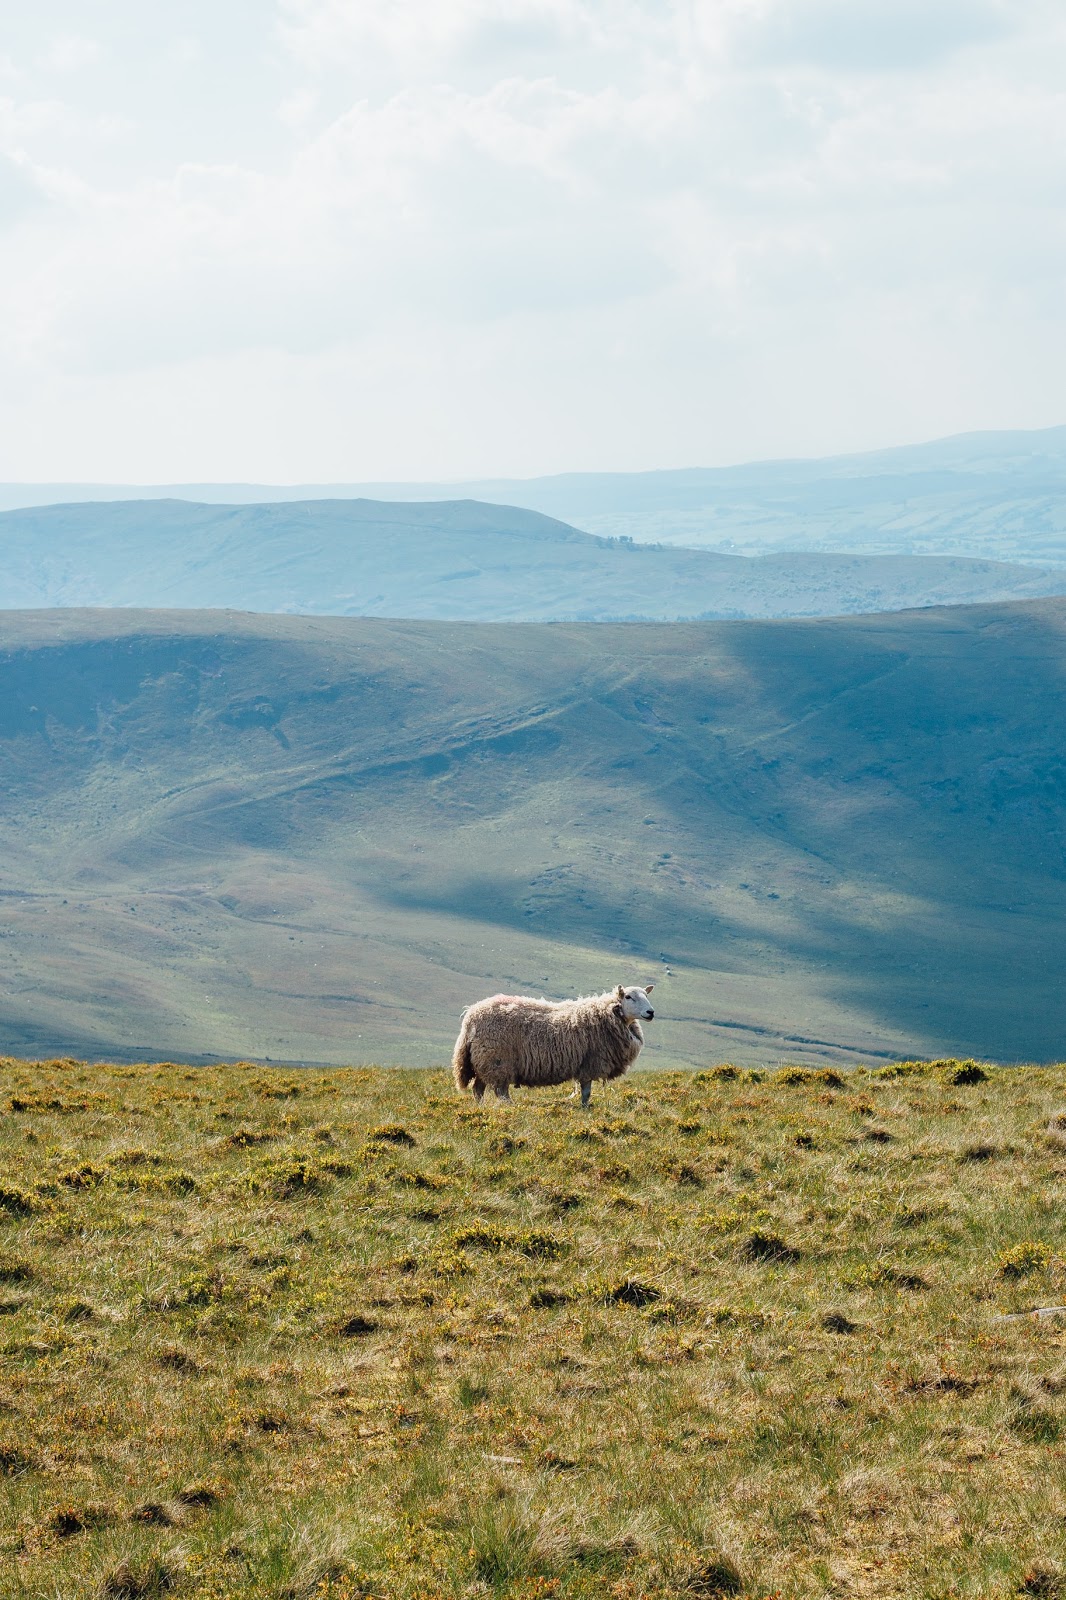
(357, 1327)
(18, 1202)
(246, 1138)
(289, 1177)
(200, 1495)
(837, 1322)
(139, 1580)
(157, 1515)
(392, 1133)
(980, 1150)
(335, 1368)
(527, 1242)
(960, 1073)
(546, 1299)
(87, 1176)
(71, 1520)
(13, 1269)
(631, 1292)
(1043, 1581)
(763, 1246)
(713, 1576)
(1023, 1259)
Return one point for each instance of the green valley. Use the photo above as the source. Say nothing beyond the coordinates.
(318, 839)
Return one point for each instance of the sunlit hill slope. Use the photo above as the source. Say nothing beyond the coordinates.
(317, 839)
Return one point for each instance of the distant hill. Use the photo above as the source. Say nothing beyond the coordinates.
(311, 838)
(997, 495)
(449, 560)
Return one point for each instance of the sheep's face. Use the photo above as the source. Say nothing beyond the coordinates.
(636, 1007)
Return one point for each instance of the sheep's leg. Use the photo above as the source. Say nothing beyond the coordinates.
(479, 1090)
(586, 1093)
(503, 1093)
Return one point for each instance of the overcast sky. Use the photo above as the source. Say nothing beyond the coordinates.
(289, 240)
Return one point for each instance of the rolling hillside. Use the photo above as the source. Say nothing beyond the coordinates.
(307, 838)
(995, 495)
(453, 560)
(1001, 496)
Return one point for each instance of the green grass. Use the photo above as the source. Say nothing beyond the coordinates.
(317, 839)
(341, 1333)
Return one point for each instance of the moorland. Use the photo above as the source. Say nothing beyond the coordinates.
(455, 560)
(996, 495)
(317, 839)
(338, 1334)
(1001, 495)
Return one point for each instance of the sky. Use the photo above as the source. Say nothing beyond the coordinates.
(342, 240)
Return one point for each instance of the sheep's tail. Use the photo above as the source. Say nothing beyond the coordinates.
(462, 1066)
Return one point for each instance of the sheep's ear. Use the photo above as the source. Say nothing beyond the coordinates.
(648, 987)
(620, 992)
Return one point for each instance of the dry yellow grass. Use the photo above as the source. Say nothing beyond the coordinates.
(339, 1333)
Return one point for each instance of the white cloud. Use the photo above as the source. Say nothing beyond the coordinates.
(437, 36)
(877, 35)
(589, 231)
(71, 52)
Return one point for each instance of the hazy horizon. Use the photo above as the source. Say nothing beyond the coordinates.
(314, 241)
(487, 480)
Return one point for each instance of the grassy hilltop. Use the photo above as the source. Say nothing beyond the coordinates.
(317, 839)
(454, 560)
(998, 495)
(336, 1333)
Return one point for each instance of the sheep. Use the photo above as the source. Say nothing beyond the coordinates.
(512, 1040)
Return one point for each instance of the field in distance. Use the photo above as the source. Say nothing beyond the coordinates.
(336, 1333)
(455, 560)
(998, 495)
(317, 839)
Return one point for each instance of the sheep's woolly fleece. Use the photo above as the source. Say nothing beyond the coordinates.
(511, 1040)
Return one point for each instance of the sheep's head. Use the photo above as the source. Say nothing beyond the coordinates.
(634, 1003)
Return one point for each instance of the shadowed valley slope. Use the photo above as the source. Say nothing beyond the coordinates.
(309, 838)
